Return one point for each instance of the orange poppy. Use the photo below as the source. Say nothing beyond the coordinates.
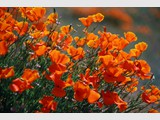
(81, 91)
(76, 53)
(151, 95)
(91, 36)
(54, 67)
(39, 34)
(130, 36)
(86, 21)
(30, 75)
(48, 104)
(66, 29)
(79, 41)
(142, 69)
(3, 47)
(149, 99)
(4, 26)
(93, 96)
(98, 17)
(18, 85)
(119, 44)
(33, 14)
(69, 81)
(39, 48)
(134, 53)
(54, 36)
(40, 26)
(110, 98)
(142, 46)
(58, 92)
(107, 60)
(93, 43)
(52, 18)
(58, 57)
(8, 72)
(21, 28)
(132, 87)
(92, 80)
(66, 42)
(59, 85)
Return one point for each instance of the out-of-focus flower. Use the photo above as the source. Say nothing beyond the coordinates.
(48, 104)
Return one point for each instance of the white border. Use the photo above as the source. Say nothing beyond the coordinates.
(80, 3)
(80, 116)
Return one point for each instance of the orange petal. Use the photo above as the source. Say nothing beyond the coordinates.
(3, 47)
(21, 27)
(8, 72)
(58, 57)
(130, 36)
(86, 21)
(30, 75)
(98, 17)
(142, 46)
(58, 92)
(14, 88)
(93, 96)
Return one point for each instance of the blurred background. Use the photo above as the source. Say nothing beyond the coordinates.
(143, 21)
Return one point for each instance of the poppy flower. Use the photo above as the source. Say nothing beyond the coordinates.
(93, 96)
(114, 75)
(130, 36)
(54, 67)
(86, 21)
(81, 91)
(66, 42)
(39, 48)
(119, 44)
(52, 18)
(30, 75)
(110, 98)
(39, 34)
(48, 104)
(66, 29)
(98, 17)
(58, 92)
(134, 53)
(3, 47)
(33, 14)
(93, 43)
(92, 80)
(91, 36)
(8, 72)
(21, 28)
(149, 99)
(79, 41)
(142, 69)
(18, 85)
(76, 53)
(132, 87)
(106, 60)
(151, 95)
(40, 26)
(59, 85)
(58, 57)
(4, 26)
(54, 36)
(142, 46)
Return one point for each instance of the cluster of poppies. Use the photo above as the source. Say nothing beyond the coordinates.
(95, 67)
